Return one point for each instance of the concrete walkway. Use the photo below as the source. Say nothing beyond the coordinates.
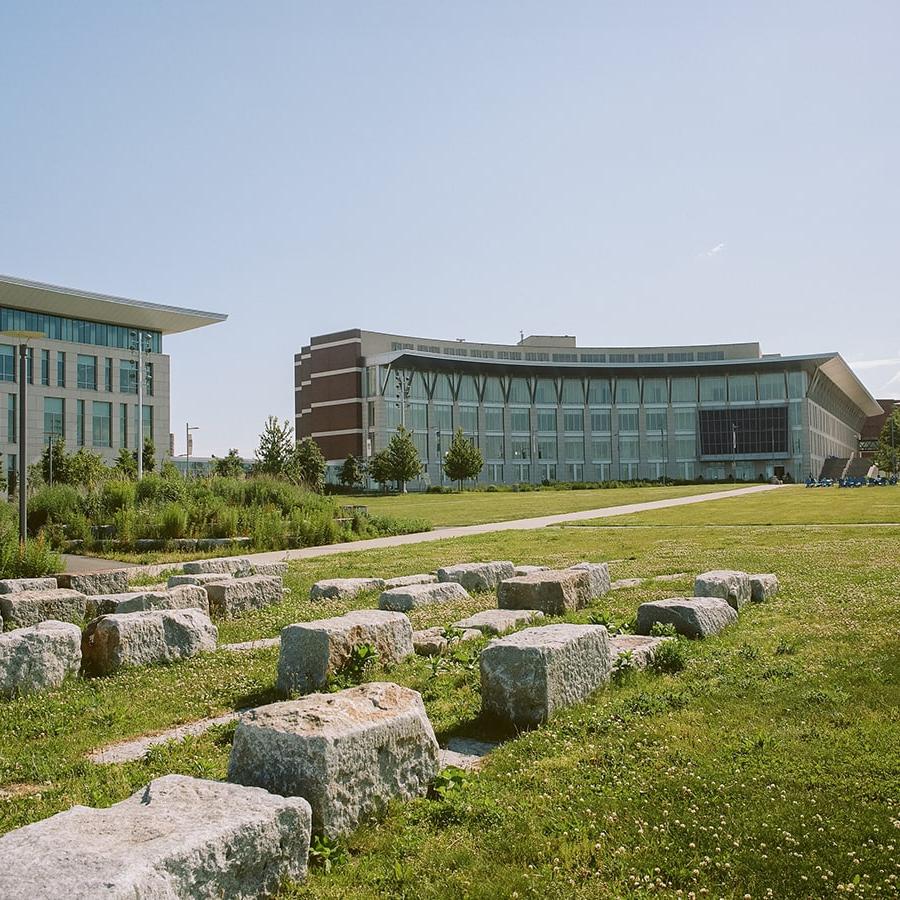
(441, 534)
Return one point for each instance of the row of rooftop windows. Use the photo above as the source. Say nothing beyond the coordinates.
(78, 331)
(541, 356)
(91, 372)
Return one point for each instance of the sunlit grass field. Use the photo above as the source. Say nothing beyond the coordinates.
(769, 764)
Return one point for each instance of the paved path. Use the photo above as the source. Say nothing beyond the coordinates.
(74, 564)
(441, 534)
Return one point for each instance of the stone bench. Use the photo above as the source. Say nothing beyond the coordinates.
(24, 608)
(311, 651)
(146, 638)
(184, 596)
(233, 596)
(529, 570)
(599, 577)
(690, 616)
(763, 587)
(343, 588)
(224, 566)
(726, 584)
(198, 580)
(641, 647)
(176, 837)
(349, 753)
(38, 658)
(407, 580)
(16, 585)
(498, 621)
(478, 577)
(275, 568)
(112, 582)
(403, 599)
(554, 592)
(527, 676)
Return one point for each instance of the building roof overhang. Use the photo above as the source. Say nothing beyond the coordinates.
(51, 299)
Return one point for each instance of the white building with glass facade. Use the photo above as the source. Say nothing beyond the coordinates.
(545, 409)
(81, 377)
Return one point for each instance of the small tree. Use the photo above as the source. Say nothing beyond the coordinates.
(276, 445)
(229, 466)
(403, 457)
(888, 453)
(53, 462)
(85, 469)
(380, 468)
(463, 459)
(307, 464)
(351, 473)
(126, 464)
(168, 469)
(148, 457)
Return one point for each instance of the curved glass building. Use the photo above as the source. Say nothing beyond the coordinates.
(546, 409)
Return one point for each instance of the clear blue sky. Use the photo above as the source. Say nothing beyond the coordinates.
(632, 173)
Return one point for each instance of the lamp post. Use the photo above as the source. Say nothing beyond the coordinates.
(734, 431)
(23, 337)
(138, 340)
(188, 428)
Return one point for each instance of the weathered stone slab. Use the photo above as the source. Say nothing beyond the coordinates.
(343, 588)
(625, 583)
(403, 599)
(763, 587)
(691, 616)
(38, 658)
(641, 647)
(406, 580)
(478, 577)
(200, 580)
(531, 674)
(728, 585)
(112, 582)
(275, 568)
(176, 837)
(465, 753)
(347, 753)
(24, 608)
(185, 596)
(433, 641)
(599, 576)
(146, 638)
(234, 596)
(245, 646)
(220, 543)
(225, 566)
(529, 570)
(553, 592)
(16, 585)
(311, 651)
(497, 621)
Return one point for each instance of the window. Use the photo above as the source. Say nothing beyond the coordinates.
(771, 386)
(629, 448)
(685, 447)
(573, 420)
(621, 357)
(54, 417)
(148, 422)
(508, 354)
(655, 357)
(493, 390)
(546, 448)
(712, 390)
(123, 424)
(657, 420)
(79, 422)
(680, 356)
(573, 450)
(628, 420)
(593, 357)
(796, 385)
(11, 418)
(654, 447)
(520, 448)
(546, 420)
(371, 381)
(442, 416)
(418, 390)
(741, 388)
(493, 446)
(741, 430)
(601, 420)
(7, 362)
(565, 357)
(545, 391)
(45, 368)
(685, 420)
(520, 420)
(29, 364)
(599, 391)
(537, 357)
(87, 372)
(655, 390)
(102, 424)
(573, 391)
(709, 355)
(493, 418)
(107, 374)
(519, 391)
(467, 391)
(60, 368)
(627, 390)
(601, 449)
(684, 390)
(468, 419)
(442, 389)
(417, 417)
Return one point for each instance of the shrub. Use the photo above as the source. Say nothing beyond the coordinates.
(669, 657)
(269, 530)
(33, 561)
(117, 494)
(173, 521)
(53, 504)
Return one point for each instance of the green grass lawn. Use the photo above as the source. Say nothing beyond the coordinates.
(790, 505)
(478, 507)
(769, 764)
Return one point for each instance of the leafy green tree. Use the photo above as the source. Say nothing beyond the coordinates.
(229, 466)
(404, 458)
(307, 464)
(380, 468)
(54, 453)
(276, 445)
(887, 455)
(169, 470)
(463, 460)
(126, 464)
(148, 457)
(86, 469)
(351, 473)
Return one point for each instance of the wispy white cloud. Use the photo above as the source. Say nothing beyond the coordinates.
(713, 251)
(876, 363)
